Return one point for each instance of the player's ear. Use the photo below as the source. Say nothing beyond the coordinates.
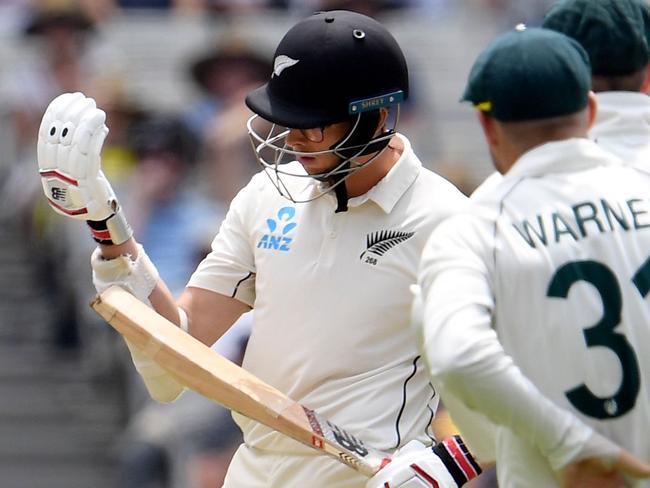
(645, 86)
(592, 109)
(490, 129)
(383, 118)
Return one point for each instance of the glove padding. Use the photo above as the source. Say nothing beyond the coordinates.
(70, 141)
(446, 465)
(138, 277)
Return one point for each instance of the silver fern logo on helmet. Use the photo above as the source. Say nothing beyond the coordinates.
(283, 62)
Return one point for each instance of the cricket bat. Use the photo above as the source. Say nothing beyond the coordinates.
(200, 368)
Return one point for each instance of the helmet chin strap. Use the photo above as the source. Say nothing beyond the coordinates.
(340, 190)
(363, 132)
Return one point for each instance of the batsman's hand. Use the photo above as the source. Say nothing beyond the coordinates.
(70, 141)
(446, 465)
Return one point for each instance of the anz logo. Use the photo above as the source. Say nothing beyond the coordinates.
(277, 238)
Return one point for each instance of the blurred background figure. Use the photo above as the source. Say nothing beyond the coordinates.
(62, 51)
(166, 206)
(224, 75)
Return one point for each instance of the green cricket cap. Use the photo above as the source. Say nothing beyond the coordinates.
(615, 33)
(528, 74)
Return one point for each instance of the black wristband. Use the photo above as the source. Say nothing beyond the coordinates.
(112, 230)
(457, 459)
(99, 231)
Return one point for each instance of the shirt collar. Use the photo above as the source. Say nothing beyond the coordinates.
(387, 192)
(561, 156)
(622, 117)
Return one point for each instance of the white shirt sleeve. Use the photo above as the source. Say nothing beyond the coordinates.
(466, 359)
(229, 269)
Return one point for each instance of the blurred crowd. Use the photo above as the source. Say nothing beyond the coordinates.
(174, 168)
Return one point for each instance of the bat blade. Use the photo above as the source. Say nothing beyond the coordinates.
(203, 370)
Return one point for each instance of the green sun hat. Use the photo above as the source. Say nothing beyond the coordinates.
(528, 74)
(615, 33)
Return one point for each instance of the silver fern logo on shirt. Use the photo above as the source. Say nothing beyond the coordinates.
(380, 242)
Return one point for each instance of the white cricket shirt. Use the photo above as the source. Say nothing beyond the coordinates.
(550, 269)
(331, 298)
(623, 126)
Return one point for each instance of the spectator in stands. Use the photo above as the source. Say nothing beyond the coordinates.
(166, 212)
(60, 61)
(224, 75)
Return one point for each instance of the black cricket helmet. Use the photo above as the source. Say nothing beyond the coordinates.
(331, 67)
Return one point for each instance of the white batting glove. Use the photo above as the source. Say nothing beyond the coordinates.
(447, 465)
(138, 277)
(70, 141)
